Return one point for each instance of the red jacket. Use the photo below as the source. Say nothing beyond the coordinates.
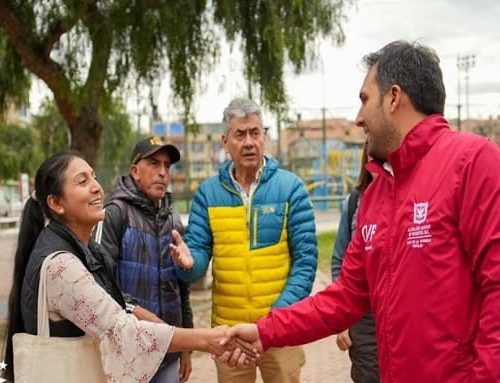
(425, 257)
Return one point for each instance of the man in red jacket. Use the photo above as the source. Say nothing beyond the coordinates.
(426, 255)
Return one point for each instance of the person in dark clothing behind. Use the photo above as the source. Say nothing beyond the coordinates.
(136, 233)
(359, 339)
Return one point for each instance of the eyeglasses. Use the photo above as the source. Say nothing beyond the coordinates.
(255, 134)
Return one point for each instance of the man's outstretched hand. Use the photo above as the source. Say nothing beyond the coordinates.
(180, 252)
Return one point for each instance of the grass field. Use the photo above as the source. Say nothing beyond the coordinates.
(325, 246)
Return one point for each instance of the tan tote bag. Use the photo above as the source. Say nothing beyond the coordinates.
(45, 359)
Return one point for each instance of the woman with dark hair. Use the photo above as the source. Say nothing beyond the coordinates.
(360, 338)
(83, 297)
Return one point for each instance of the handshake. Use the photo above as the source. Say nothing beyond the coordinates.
(237, 346)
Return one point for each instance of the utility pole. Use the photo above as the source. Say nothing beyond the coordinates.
(324, 153)
(464, 63)
(323, 122)
(323, 129)
(459, 106)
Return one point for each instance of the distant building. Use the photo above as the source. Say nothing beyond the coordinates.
(303, 152)
(489, 128)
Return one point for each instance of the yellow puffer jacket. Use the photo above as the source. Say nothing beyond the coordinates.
(246, 281)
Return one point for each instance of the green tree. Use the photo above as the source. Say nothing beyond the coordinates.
(118, 142)
(52, 134)
(85, 50)
(118, 138)
(14, 81)
(18, 146)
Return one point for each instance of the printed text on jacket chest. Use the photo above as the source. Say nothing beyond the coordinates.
(419, 234)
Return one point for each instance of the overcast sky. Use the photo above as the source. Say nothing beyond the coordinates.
(451, 27)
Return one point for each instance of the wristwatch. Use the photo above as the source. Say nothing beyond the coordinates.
(129, 307)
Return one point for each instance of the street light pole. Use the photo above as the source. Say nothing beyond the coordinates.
(323, 129)
(465, 63)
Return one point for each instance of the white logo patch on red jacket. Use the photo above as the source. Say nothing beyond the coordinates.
(420, 212)
(419, 235)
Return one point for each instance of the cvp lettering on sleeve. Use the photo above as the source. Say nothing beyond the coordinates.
(368, 231)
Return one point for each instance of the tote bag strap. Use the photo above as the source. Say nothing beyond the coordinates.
(98, 229)
(43, 328)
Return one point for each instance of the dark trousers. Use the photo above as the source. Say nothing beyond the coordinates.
(363, 352)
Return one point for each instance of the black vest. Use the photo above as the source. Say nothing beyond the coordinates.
(57, 237)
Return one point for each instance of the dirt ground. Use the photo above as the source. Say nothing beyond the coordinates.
(324, 362)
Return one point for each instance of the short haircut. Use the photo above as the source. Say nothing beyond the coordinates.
(240, 107)
(415, 68)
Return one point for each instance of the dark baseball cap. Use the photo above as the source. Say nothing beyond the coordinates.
(151, 145)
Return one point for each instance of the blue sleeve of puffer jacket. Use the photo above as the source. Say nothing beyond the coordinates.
(198, 238)
(303, 246)
(342, 240)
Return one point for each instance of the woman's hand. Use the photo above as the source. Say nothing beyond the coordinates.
(185, 366)
(344, 341)
(246, 348)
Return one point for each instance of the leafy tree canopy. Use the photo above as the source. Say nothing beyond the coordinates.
(19, 154)
(85, 50)
(51, 132)
(14, 79)
(51, 136)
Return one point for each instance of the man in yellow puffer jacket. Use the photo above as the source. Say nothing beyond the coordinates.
(256, 222)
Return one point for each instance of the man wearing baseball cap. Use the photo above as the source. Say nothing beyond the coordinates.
(150, 146)
(136, 234)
